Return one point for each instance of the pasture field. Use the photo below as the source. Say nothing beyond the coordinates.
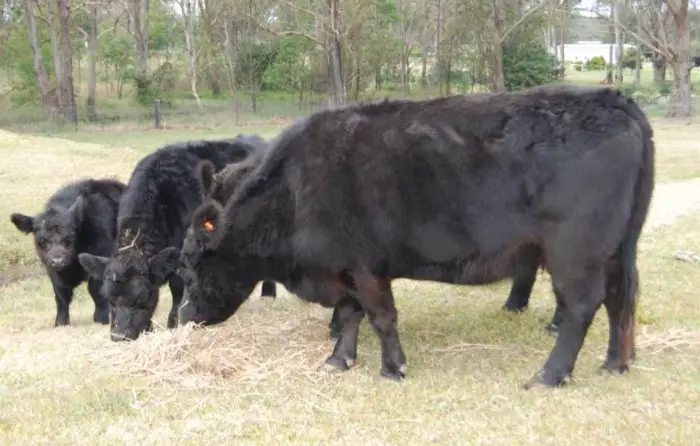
(257, 378)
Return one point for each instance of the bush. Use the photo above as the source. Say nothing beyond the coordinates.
(629, 59)
(596, 63)
(578, 66)
(664, 88)
(527, 64)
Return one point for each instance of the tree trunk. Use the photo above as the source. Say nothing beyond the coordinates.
(496, 35)
(333, 55)
(56, 54)
(212, 72)
(70, 111)
(659, 64)
(618, 44)
(562, 34)
(438, 45)
(139, 10)
(187, 11)
(92, 62)
(637, 65)
(680, 104)
(42, 77)
(424, 68)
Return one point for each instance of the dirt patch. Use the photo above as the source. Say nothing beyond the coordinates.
(671, 201)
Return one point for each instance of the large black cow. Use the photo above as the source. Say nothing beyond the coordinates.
(80, 217)
(449, 189)
(220, 186)
(154, 213)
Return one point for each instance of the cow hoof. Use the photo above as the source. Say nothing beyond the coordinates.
(552, 328)
(614, 367)
(514, 309)
(337, 364)
(546, 380)
(61, 323)
(397, 375)
(101, 318)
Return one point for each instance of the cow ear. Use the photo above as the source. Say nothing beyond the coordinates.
(207, 223)
(164, 263)
(24, 223)
(77, 210)
(93, 265)
(204, 172)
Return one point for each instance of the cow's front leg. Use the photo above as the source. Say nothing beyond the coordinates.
(375, 296)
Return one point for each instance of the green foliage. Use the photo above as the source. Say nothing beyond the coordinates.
(596, 63)
(664, 88)
(629, 59)
(166, 31)
(254, 58)
(16, 59)
(527, 64)
(288, 72)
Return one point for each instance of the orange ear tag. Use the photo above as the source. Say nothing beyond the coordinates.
(208, 225)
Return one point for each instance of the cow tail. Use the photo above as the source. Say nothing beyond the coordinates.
(627, 253)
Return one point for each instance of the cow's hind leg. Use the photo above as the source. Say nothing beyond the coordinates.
(553, 326)
(348, 314)
(621, 348)
(375, 296)
(581, 296)
(523, 281)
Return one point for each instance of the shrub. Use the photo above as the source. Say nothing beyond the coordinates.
(596, 63)
(527, 64)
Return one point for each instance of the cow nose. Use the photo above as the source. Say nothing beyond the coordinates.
(56, 262)
(117, 337)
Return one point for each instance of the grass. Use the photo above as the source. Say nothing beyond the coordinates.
(256, 378)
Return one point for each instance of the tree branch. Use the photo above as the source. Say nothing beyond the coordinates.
(285, 33)
(664, 52)
(520, 21)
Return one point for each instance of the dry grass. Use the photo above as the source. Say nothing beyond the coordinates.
(257, 378)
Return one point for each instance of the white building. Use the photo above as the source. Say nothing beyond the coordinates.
(585, 50)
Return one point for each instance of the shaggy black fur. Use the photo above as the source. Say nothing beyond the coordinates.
(80, 217)
(449, 189)
(153, 216)
(221, 185)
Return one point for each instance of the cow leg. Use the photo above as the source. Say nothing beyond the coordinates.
(269, 289)
(621, 348)
(375, 296)
(63, 295)
(101, 314)
(581, 298)
(177, 288)
(553, 326)
(348, 314)
(334, 325)
(523, 281)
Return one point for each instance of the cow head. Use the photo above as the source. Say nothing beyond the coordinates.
(131, 283)
(55, 232)
(215, 286)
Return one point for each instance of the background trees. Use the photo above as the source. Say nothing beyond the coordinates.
(76, 59)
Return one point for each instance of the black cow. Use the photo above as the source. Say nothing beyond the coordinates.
(449, 189)
(221, 185)
(154, 213)
(80, 217)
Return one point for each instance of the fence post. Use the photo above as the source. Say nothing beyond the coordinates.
(156, 112)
